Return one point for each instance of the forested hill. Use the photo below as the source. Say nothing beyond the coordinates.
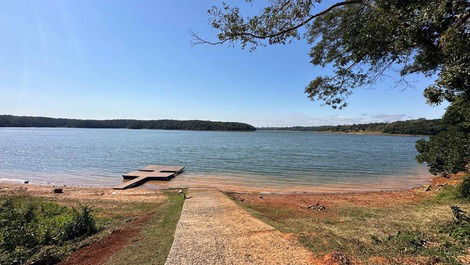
(416, 127)
(25, 121)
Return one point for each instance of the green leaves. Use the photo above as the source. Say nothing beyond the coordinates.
(364, 37)
(28, 226)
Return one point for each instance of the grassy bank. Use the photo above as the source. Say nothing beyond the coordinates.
(41, 227)
(418, 230)
(36, 231)
(154, 241)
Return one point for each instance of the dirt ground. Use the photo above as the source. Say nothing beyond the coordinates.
(83, 193)
(100, 251)
(126, 210)
(294, 211)
(372, 199)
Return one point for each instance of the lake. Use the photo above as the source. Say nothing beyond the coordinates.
(280, 160)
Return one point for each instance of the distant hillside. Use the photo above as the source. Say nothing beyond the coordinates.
(416, 127)
(25, 121)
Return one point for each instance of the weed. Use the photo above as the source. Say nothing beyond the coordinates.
(29, 226)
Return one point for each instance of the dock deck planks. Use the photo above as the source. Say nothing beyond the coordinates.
(149, 175)
(159, 168)
(151, 172)
(132, 183)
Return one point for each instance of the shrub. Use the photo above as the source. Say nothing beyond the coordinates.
(82, 224)
(459, 229)
(29, 227)
(464, 188)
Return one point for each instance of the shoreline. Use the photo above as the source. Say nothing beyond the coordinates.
(350, 133)
(241, 183)
(436, 181)
(374, 133)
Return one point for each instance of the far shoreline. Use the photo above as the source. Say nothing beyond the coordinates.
(374, 133)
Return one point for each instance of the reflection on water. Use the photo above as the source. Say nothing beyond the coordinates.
(246, 159)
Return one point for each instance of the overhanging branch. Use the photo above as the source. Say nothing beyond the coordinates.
(198, 40)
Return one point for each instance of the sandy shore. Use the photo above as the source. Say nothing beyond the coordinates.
(82, 193)
(151, 191)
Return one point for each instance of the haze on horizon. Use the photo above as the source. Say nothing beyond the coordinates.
(123, 59)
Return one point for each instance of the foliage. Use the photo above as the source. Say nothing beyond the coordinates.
(82, 224)
(464, 188)
(31, 227)
(449, 151)
(416, 127)
(362, 39)
(451, 159)
(24, 121)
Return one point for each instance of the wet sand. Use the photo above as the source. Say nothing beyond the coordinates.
(251, 183)
(230, 183)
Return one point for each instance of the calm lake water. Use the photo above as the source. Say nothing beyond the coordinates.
(280, 159)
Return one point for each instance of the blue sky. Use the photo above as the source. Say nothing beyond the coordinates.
(133, 59)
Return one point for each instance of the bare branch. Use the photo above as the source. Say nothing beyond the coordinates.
(198, 40)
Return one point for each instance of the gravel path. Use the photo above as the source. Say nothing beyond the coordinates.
(214, 230)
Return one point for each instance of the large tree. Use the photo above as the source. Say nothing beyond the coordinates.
(363, 39)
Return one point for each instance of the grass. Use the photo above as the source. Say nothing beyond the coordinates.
(413, 233)
(55, 225)
(156, 237)
(36, 231)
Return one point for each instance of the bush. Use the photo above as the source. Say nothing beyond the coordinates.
(30, 226)
(82, 224)
(459, 229)
(464, 188)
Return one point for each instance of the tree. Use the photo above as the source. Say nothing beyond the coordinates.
(363, 39)
(449, 151)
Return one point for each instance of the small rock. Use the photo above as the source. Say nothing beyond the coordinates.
(58, 190)
(26, 181)
(336, 258)
(316, 206)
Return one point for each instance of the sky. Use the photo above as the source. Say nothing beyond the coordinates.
(113, 59)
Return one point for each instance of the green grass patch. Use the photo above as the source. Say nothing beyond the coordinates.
(36, 231)
(156, 237)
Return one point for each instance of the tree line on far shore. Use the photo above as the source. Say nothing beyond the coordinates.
(414, 127)
(198, 125)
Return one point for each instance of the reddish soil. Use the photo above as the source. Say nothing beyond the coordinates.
(364, 199)
(302, 201)
(450, 180)
(83, 194)
(100, 251)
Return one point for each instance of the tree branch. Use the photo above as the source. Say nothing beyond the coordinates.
(198, 40)
(303, 23)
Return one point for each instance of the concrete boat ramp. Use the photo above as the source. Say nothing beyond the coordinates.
(151, 172)
(214, 230)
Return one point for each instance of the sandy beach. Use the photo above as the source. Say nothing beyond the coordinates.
(151, 191)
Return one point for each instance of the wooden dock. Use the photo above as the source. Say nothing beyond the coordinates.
(163, 169)
(151, 172)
